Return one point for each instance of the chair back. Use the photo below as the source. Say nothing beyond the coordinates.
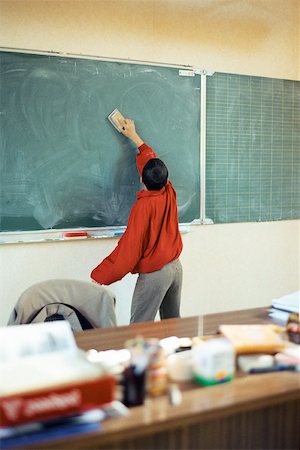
(84, 304)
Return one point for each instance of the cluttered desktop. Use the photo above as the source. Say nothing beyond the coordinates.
(166, 384)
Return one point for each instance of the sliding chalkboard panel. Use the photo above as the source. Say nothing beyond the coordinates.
(63, 165)
(253, 148)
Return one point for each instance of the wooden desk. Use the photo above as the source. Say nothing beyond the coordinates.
(114, 338)
(257, 411)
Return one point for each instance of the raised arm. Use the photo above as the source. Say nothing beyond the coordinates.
(145, 152)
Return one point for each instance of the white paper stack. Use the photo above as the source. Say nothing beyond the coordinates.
(282, 307)
(290, 302)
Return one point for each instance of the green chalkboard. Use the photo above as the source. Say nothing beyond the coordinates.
(63, 165)
(252, 148)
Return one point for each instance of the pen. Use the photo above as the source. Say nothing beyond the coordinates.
(272, 369)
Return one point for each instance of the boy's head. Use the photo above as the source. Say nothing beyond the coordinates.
(155, 174)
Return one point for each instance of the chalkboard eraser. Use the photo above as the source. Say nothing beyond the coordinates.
(116, 119)
(76, 234)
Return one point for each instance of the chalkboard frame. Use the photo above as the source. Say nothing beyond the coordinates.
(48, 235)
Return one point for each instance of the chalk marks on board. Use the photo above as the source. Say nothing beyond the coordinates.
(62, 166)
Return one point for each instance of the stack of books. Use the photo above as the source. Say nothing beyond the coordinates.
(48, 386)
(282, 307)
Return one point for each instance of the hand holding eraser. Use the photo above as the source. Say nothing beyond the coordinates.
(116, 119)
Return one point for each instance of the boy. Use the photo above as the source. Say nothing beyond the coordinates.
(151, 244)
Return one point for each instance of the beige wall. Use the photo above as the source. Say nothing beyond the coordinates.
(226, 267)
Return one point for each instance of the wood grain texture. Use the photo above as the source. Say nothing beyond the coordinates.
(114, 338)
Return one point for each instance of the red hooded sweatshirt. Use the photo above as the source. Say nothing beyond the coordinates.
(152, 238)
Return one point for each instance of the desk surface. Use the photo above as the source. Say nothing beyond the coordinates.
(257, 411)
(114, 338)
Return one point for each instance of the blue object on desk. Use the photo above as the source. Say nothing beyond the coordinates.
(278, 368)
(46, 433)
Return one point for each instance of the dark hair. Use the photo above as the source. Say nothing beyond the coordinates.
(155, 174)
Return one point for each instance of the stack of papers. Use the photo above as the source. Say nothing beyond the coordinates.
(290, 302)
(283, 306)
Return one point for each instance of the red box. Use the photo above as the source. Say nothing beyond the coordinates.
(50, 403)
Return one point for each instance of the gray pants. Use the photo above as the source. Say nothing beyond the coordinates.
(160, 290)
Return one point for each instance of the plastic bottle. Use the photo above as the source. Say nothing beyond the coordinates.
(157, 377)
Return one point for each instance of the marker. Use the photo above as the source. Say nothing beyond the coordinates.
(272, 369)
(76, 234)
(118, 233)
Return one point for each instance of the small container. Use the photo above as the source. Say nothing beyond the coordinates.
(293, 328)
(134, 383)
(157, 377)
(213, 362)
(179, 366)
(134, 376)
